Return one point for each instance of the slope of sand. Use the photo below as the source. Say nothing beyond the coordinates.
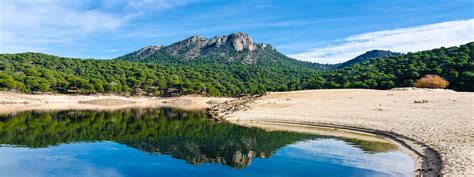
(14, 102)
(444, 121)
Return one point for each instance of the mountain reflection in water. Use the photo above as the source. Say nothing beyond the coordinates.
(185, 135)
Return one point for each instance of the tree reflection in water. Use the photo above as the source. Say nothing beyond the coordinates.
(182, 134)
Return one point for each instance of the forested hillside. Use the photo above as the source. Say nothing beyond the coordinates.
(455, 64)
(36, 72)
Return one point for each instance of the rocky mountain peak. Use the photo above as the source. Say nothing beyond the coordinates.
(236, 46)
(148, 50)
(152, 47)
(194, 39)
(237, 41)
(240, 41)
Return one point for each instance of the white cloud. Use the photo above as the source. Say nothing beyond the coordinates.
(451, 33)
(32, 24)
(27, 25)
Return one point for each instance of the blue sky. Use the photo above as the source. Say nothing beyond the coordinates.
(325, 31)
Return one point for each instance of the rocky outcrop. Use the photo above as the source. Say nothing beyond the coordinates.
(218, 112)
(149, 50)
(241, 41)
(236, 41)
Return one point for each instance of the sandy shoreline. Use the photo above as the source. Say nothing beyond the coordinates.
(14, 102)
(427, 161)
(443, 122)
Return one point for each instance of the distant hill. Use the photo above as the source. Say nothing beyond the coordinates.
(367, 56)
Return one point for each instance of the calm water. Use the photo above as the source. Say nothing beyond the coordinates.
(169, 142)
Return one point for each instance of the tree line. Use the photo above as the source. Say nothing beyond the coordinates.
(37, 73)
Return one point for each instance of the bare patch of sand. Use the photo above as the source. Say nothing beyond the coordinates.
(14, 102)
(442, 120)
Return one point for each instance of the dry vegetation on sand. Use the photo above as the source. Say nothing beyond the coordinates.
(432, 81)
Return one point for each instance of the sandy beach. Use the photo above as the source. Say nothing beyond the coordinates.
(441, 119)
(14, 102)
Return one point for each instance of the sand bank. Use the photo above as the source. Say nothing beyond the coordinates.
(14, 102)
(442, 120)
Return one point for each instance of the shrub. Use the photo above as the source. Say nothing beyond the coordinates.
(431, 81)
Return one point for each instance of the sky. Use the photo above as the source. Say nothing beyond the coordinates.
(323, 31)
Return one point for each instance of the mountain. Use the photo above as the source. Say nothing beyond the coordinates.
(367, 56)
(233, 48)
(237, 47)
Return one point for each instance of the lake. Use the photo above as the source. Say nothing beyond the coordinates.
(172, 142)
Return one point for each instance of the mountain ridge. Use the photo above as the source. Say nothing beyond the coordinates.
(236, 47)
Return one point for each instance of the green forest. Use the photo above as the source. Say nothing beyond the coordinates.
(455, 64)
(39, 73)
(35, 72)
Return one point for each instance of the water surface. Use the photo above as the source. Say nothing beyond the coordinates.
(170, 142)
